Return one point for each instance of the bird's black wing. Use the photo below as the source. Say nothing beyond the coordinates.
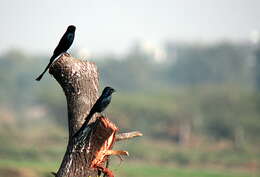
(65, 43)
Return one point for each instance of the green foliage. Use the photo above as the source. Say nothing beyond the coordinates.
(221, 108)
(218, 63)
(204, 93)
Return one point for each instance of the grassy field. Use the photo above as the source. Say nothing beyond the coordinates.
(161, 159)
(124, 169)
(28, 150)
(141, 170)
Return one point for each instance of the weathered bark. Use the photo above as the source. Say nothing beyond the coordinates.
(79, 80)
(129, 135)
(88, 151)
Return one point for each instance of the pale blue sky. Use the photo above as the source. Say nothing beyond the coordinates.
(104, 25)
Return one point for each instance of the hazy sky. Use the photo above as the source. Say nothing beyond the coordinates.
(113, 25)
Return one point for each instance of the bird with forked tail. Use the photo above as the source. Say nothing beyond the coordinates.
(64, 44)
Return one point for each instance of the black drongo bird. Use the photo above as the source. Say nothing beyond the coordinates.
(63, 46)
(100, 105)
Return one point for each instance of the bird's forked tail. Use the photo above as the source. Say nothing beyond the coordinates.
(40, 76)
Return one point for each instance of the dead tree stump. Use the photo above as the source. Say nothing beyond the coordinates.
(86, 153)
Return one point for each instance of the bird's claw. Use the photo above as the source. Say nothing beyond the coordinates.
(66, 54)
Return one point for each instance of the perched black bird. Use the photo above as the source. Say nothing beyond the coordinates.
(100, 105)
(63, 46)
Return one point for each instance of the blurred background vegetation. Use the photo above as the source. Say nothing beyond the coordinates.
(198, 107)
(187, 75)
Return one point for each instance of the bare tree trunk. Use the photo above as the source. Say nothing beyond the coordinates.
(86, 153)
(79, 80)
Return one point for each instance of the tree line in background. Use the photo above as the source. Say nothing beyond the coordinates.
(209, 91)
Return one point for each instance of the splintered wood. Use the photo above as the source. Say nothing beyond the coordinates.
(102, 140)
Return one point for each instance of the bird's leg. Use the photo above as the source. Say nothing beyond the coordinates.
(66, 54)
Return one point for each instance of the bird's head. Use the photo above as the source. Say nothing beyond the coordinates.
(108, 91)
(71, 28)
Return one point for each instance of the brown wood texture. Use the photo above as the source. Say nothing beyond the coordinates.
(88, 151)
(79, 81)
